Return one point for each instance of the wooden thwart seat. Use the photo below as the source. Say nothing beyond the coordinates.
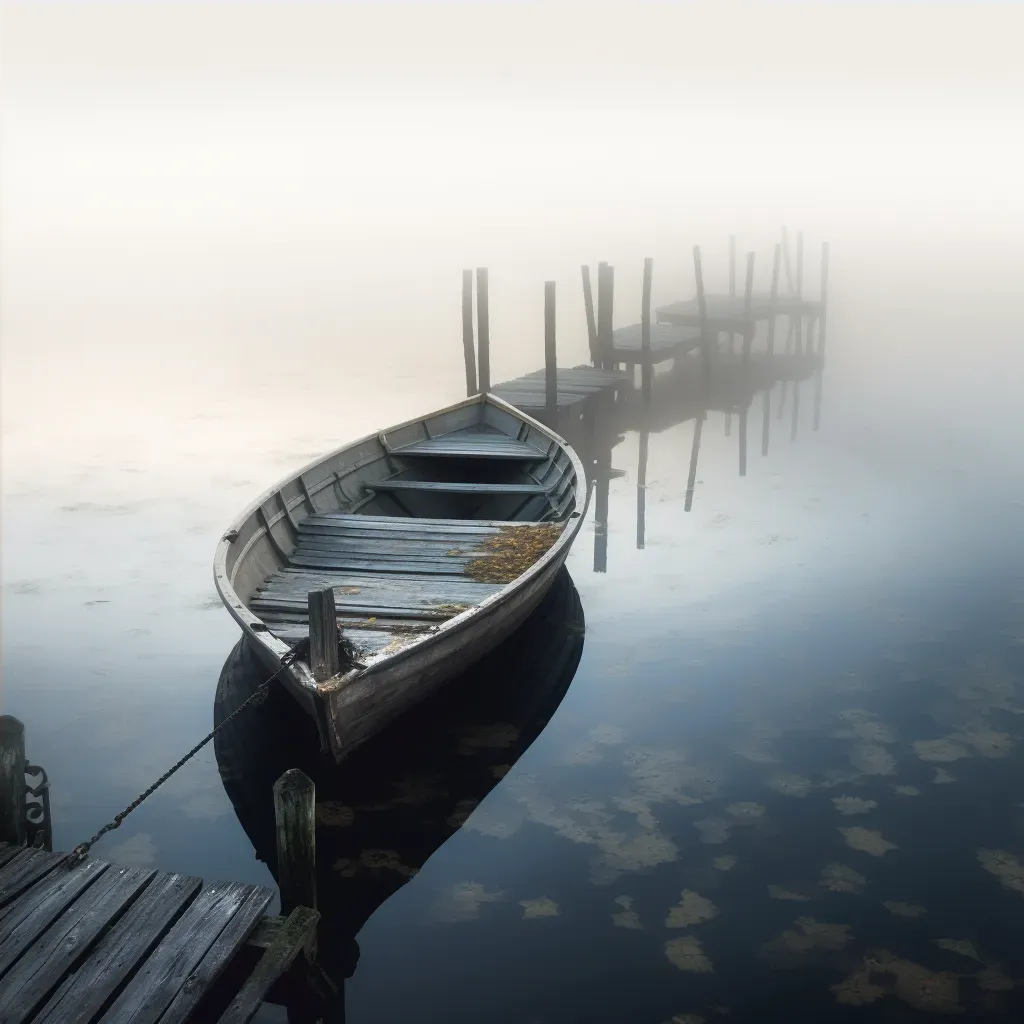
(457, 487)
(472, 446)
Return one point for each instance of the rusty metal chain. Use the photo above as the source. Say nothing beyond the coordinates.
(81, 851)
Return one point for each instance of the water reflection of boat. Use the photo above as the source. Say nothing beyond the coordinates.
(383, 812)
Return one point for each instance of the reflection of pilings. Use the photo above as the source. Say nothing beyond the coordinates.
(766, 419)
(799, 342)
(641, 490)
(602, 479)
(821, 337)
(691, 479)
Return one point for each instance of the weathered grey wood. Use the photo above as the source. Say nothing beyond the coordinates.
(222, 951)
(641, 490)
(588, 304)
(482, 446)
(702, 310)
(457, 487)
(468, 342)
(550, 352)
(483, 331)
(605, 308)
(645, 329)
(291, 938)
(30, 981)
(36, 909)
(786, 257)
(23, 871)
(799, 330)
(295, 815)
(749, 328)
(12, 781)
(117, 953)
(818, 382)
(266, 931)
(324, 657)
(766, 417)
(8, 853)
(222, 907)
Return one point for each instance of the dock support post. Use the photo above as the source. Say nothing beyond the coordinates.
(646, 366)
(468, 342)
(324, 658)
(13, 822)
(732, 334)
(705, 340)
(605, 303)
(295, 818)
(773, 300)
(821, 336)
(799, 344)
(588, 304)
(483, 331)
(550, 355)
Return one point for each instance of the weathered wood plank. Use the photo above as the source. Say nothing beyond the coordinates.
(149, 995)
(35, 975)
(202, 978)
(481, 446)
(23, 871)
(38, 906)
(288, 943)
(127, 943)
(324, 659)
(8, 853)
(295, 817)
(12, 780)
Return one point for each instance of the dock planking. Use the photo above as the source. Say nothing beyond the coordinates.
(573, 386)
(91, 942)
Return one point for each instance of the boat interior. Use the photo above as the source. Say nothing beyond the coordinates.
(410, 528)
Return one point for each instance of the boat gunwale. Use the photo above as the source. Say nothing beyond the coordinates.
(247, 619)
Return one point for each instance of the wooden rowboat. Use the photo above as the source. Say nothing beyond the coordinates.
(438, 537)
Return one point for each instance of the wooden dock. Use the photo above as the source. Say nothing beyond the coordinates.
(574, 386)
(93, 941)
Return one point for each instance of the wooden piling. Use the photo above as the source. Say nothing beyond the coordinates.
(295, 819)
(483, 332)
(641, 489)
(705, 341)
(785, 256)
(324, 658)
(691, 479)
(799, 341)
(588, 303)
(550, 355)
(468, 342)
(732, 334)
(821, 336)
(13, 821)
(605, 305)
(773, 299)
(646, 367)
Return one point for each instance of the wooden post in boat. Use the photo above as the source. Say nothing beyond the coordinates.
(483, 331)
(605, 303)
(468, 343)
(13, 820)
(588, 303)
(295, 820)
(550, 355)
(773, 299)
(646, 366)
(821, 336)
(324, 658)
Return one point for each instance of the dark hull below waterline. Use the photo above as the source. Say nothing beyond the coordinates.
(377, 799)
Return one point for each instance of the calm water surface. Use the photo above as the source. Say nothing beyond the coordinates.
(765, 766)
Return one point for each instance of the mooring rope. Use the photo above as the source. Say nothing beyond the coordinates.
(81, 851)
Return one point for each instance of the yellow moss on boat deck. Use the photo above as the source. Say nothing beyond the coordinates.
(512, 551)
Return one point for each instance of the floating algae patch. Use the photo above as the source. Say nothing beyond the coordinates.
(930, 991)
(992, 979)
(593, 749)
(856, 989)
(867, 840)
(692, 909)
(986, 741)
(906, 790)
(1005, 866)
(963, 947)
(498, 823)
(789, 784)
(942, 777)
(687, 954)
(542, 906)
(712, 830)
(626, 916)
(840, 878)
(462, 902)
(724, 863)
(864, 725)
(872, 759)
(789, 948)
(463, 809)
(512, 551)
(776, 892)
(944, 749)
(372, 861)
(899, 909)
(639, 807)
(487, 737)
(853, 805)
(745, 810)
(333, 814)
(662, 775)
